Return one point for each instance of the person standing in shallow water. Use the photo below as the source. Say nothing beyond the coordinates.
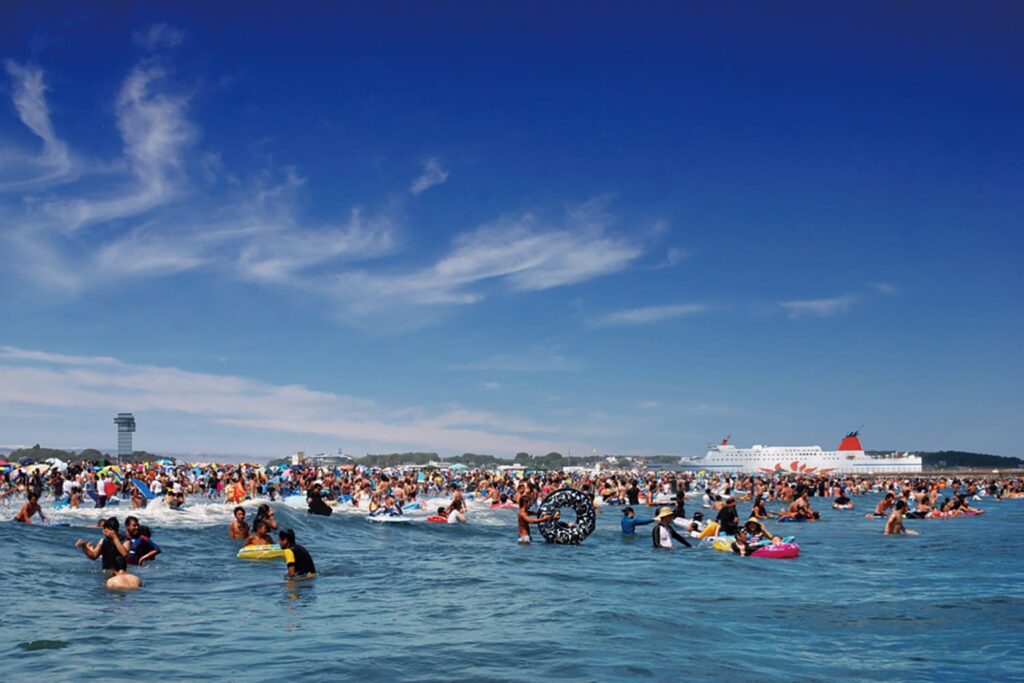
(30, 508)
(526, 499)
(121, 580)
(296, 558)
(239, 528)
(663, 533)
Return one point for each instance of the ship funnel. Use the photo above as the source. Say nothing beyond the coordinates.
(850, 443)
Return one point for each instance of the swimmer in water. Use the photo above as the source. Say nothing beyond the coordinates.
(894, 525)
(239, 528)
(140, 546)
(743, 544)
(297, 558)
(265, 513)
(630, 522)
(30, 508)
(882, 509)
(260, 535)
(526, 499)
(108, 548)
(121, 580)
(842, 502)
(458, 512)
(663, 533)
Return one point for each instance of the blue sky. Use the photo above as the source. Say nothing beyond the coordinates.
(463, 227)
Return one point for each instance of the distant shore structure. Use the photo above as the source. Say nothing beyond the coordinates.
(125, 428)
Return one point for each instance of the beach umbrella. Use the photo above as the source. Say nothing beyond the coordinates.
(459, 466)
(58, 463)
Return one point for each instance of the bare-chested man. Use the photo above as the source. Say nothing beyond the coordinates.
(30, 508)
(239, 527)
(526, 499)
(884, 505)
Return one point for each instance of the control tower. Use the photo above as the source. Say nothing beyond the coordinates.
(125, 427)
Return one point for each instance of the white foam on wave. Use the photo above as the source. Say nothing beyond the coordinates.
(202, 512)
(198, 512)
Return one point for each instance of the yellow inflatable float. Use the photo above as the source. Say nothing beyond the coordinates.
(261, 552)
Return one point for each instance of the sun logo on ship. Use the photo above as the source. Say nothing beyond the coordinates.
(795, 467)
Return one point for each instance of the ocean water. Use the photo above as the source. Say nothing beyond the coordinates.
(428, 602)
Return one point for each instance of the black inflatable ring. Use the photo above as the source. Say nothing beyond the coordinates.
(557, 531)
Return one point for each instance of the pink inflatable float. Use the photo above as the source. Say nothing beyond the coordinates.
(781, 551)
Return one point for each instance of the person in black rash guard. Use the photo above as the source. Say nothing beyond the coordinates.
(663, 533)
(728, 519)
(633, 493)
(842, 501)
(297, 558)
(679, 511)
(315, 501)
(136, 538)
(109, 546)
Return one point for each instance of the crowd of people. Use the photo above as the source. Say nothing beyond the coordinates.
(391, 492)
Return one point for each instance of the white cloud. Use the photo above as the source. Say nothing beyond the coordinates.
(15, 353)
(38, 378)
(156, 132)
(158, 36)
(518, 253)
(279, 255)
(29, 97)
(649, 314)
(821, 308)
(433, 174)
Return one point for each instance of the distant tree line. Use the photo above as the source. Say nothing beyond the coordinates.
(38, 454)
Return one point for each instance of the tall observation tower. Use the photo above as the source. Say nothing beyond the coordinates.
(125, 427)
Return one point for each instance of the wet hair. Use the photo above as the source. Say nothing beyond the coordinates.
(287, 535)
(120, 565)
(112, 524)
(626, 510)
(129, 519)
(145, 531)
(237, 508)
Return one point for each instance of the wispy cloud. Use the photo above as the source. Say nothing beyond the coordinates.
(155, 131)
(158, 36)
(820, 308)
(649, 314)
(153, 222)
(433, 174)
(28, 94)
(520, 254)
(143, 215)
(279, 255)
(38, 378)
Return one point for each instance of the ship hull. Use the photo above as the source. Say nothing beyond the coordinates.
(799, 460)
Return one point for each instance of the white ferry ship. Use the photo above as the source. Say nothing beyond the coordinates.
(849, 457)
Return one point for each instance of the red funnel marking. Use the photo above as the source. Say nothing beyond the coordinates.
(850, 443)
